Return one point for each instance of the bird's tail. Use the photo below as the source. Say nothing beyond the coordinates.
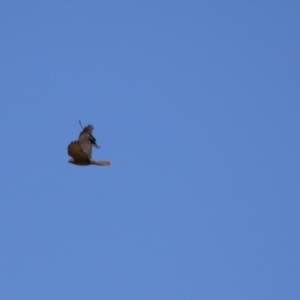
(100, 162)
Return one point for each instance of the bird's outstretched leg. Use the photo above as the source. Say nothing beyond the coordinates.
(100, 162)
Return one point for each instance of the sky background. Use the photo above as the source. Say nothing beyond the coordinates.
(196, 103)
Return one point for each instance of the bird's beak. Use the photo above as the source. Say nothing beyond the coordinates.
(96, 146)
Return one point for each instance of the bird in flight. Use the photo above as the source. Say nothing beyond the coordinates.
(81, 150)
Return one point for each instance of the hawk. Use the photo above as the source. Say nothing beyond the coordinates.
(81, 150)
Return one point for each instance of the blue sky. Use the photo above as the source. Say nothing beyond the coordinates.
(197, 105)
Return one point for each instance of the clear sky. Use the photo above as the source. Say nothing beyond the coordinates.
(197, 105)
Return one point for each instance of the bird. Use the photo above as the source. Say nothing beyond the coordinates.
(81, 150)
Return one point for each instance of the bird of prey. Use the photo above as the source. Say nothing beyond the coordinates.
(81, 150)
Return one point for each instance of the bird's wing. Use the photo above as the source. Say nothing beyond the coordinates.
(101, 162)
(76, 152)
(86, 133)
(87, 140)
(87, 147)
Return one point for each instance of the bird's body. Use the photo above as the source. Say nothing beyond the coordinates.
(81, 150)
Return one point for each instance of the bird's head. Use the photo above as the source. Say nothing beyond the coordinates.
(93, 142)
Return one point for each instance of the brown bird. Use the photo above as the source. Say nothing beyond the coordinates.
(81, 150)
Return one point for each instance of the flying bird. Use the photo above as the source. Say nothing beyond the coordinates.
(81, 150)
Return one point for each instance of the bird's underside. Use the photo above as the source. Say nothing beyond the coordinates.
(81, 150)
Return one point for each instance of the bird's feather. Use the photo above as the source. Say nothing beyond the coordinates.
(87, 140)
